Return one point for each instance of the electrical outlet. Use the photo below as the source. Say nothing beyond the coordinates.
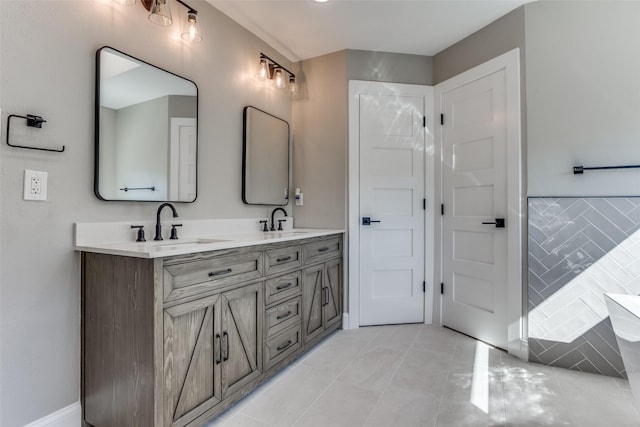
(35, 185)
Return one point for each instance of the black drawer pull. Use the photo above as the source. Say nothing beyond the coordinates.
(219, 358)
(325, 249)
(284, 315)
(225, 336)
(285, 286)
(220, 273)
(284, 258)
(284, 346)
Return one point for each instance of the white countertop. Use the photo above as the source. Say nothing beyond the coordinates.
(189, 245)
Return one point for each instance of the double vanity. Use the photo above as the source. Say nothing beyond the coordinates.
(175, 331)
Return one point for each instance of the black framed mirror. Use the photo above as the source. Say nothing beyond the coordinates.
(265, 160)
(146, 131)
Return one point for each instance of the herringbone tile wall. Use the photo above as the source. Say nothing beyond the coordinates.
(580, 248)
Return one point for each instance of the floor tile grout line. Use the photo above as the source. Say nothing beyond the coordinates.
(404, 356)
(455, 348)
(332, 382)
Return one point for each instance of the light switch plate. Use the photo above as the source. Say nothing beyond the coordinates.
(35, 185)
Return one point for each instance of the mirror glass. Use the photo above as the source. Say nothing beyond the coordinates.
(146, 131)
(265, 163)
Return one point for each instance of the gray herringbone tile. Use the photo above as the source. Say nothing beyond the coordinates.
(575, 255)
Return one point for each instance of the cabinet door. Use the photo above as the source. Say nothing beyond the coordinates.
(332, 303)
(242, 330)
(312, 293)
(191, 359)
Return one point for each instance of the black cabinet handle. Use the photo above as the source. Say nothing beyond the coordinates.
(325, 296)
(220, 272)
(225, 335)
(285, 286)
(325, 249)
(284, 315)
(284, 258)
(282, 347)
(219, 358)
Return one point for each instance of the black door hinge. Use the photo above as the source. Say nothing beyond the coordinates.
(424, 286)
(442, 209)
(441, 288)
(442, 119)
(424, 121)
(424, 204)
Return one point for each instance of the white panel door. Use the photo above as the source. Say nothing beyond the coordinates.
(474, 182)
(392, 140)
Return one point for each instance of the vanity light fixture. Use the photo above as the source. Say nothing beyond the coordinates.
(271, 70)
(125, 2)
(160, 13)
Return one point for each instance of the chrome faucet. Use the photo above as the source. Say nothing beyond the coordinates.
(158, 225)
(273, 225)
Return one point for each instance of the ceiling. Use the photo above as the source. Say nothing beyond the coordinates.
(302, 29)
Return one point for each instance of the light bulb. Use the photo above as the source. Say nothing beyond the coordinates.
(125, 2)
(160, 13)
(192, 28)
(263, 71)
(279, 78)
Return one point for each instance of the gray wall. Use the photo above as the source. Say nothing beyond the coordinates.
(502, 35)
(583, 97)
(142, 135)
(47, 51)
(389, 67)
(320, 141)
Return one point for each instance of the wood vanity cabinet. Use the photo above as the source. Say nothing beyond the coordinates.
(322, 296)
(175, 341)
(212, 347)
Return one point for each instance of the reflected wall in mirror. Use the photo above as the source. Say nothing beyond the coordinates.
(265, 161)
(146, 131)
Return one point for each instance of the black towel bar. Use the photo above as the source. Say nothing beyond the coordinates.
(578, 170)
(32, 121)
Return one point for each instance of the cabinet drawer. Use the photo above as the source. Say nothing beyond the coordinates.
(281, 287)
(279, 260)
(194, 277)
(282, 316)
(281, 346)
(322, 250)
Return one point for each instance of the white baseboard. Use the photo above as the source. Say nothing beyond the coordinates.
(71, 416)
(345, 321)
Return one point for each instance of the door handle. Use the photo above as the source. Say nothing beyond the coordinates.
(499, 222)
(366, 220)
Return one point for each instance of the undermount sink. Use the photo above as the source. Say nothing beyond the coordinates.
(284, 233)
(180, 242)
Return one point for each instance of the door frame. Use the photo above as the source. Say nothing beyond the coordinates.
(510, 62)
(356, 87)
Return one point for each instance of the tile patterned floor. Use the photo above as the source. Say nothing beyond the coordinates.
(417, 375)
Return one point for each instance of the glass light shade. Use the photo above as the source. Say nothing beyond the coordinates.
(160, 13)
(191, 31)
(279, 79)
(125, 2)
(292, 85)
(263, 71)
